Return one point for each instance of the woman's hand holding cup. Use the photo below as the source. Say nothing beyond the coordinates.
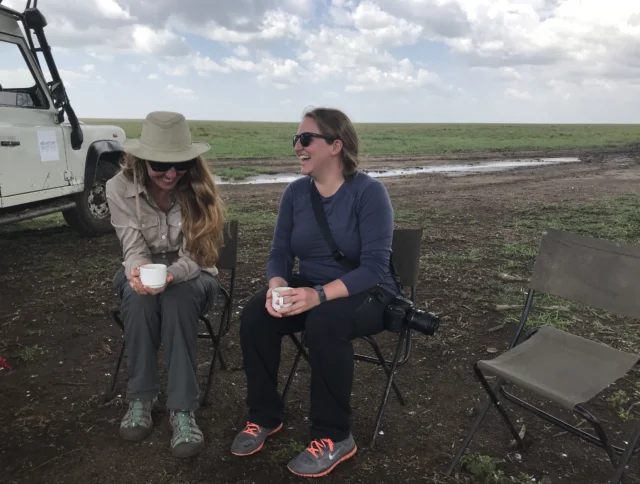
(274, 283)
(152, 274)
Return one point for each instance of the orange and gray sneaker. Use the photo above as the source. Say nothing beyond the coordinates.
(251, 439)
(322, 456)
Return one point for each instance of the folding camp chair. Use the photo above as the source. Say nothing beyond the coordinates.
(556, 365)
(227, 259)
(406, 258)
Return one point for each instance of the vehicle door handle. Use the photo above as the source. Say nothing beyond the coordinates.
(9, 143)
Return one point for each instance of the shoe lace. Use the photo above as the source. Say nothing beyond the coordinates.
(136, 410)
(182, 423)
(318, 446)
(252, 429)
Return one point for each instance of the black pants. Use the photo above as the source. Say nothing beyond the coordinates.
(330, 328)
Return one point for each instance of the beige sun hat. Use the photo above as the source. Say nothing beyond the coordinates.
(165, 138)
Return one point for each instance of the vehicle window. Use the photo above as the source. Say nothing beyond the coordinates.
(18, 86)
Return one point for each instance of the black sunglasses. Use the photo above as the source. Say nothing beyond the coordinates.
(178, 166)
(305, 138)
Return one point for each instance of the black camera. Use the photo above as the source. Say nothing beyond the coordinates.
(401, 312)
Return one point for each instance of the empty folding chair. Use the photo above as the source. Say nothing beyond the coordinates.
(227, 260)
(406, 258)
(561, 367)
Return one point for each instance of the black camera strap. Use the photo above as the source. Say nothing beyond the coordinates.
(321, 218)
(337, 254)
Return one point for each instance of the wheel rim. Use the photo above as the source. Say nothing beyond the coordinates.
(97, 202)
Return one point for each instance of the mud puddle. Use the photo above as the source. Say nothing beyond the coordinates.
(466, 169)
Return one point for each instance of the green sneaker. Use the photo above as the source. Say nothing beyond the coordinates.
(251, 439)
(137, 422)
(322, 456)
(187, 438)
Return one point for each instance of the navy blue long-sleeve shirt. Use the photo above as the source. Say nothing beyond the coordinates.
(360, 217)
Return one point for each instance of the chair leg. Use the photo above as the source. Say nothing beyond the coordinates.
(287, 385)
(499, 407)
(390, 383)
(300, 346)
(383, 363)
(599, 431)
(217, 355)
(469, 436)
(624, 459)
(480, 417)
(214, 340)
(109, 395)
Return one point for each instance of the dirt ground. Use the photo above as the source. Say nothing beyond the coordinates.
(56, 332)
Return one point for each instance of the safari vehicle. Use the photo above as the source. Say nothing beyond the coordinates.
(48, 164)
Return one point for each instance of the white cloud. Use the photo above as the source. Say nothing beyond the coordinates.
(359, 51)
(568, 55)
(205, 65)
(331, 52)
(583, 38)
(241, 51)
(164, 42)
(382, 28)
(111, 10)
(515, 94)
(281, 73)
(99, 56)
(182, 92)
(178, 70)
(275, 25)
(402, 77)
(500, 73)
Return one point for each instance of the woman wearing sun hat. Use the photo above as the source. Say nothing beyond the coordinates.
(166, 209)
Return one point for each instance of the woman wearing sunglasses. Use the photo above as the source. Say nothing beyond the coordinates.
(331, 301)
(166, 210)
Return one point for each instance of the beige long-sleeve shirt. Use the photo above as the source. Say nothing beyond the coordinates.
(150, 236)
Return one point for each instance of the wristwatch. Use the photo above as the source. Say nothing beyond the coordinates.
(323, 297)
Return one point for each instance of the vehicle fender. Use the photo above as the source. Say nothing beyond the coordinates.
(106, 150)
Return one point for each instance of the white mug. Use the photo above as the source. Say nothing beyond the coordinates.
(153, 275)
(277, 301)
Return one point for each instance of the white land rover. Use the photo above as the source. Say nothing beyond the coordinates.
(48, 164)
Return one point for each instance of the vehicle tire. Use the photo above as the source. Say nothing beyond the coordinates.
(91, 216)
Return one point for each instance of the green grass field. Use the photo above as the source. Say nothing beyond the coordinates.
(273, 140)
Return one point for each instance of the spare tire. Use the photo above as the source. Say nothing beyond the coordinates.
(91, 216)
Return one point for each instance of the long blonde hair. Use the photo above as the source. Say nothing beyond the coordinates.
(203, 211)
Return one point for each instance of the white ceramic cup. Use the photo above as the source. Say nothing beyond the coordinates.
(277, 301)
(153, 275)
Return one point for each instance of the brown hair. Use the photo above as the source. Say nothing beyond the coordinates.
(203, 211)
(336, 125)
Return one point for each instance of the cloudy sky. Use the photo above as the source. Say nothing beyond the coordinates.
(541, 61)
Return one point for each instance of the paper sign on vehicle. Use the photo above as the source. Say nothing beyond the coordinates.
(48, 144)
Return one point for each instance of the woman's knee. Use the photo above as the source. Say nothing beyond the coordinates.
(185, 298)
(254, 313)
(324, 325)
(134, 303)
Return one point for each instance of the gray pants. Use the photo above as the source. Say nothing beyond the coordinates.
(170, 318)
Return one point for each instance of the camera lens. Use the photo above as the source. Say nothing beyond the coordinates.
(426, 323)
